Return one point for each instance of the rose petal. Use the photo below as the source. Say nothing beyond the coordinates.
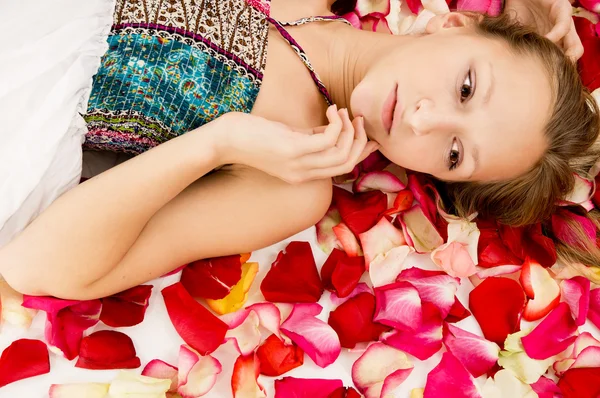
(582, 192)
(277, 358)
(316, 338)
(546, 388)
(496, 305)
(128, 385)
(66, 320)
(425, 341)
(419, 231)
(158, 369)
(594, 309)
(366, 7)
(505, 384)
(344, 392)
(424, 190)
(589, 358)
(436, 287)
(458, 312)
(360, 288)
(491, 250)
(380, 239)
(341, 273)
(379, 370)
(11, 309)
(22, 359)
(553, 335)
(497, 271)
(402, 202)
(580, 383)
(291, 387)
(562, 230)
(239, 293)
(353, 321)
(383, 181)
(583, 341)
(476, 354)
(107, 349)
(244, 381)
(197, 374)
(293, 277)
(529, 241)
(454, 259)
(360, 212)
(576, 293)
(348, 240)
(196, 325)
(398, 305)
(516, 360)
(126, 308)
(449, 379)
(386, 267)
(212, 278)
(246, 337)
(78, 390)
(541, 288)
(269, 317)
(326, 238)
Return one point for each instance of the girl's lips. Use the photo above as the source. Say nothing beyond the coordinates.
(389, 106)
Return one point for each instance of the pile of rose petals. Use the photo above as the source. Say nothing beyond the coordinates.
(538, 320)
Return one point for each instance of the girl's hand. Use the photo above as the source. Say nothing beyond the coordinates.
(552, 19)
(294, 155)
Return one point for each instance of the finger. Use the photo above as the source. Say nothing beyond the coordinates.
(371, 147)
(561, 12)
(328, 138)
(572, 44)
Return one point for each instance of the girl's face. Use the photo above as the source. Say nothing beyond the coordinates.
(457, 105)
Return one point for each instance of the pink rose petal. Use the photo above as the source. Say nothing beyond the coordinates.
(553, 335)
(383, 181)
(594, 310)
(316, 338)
(582, 192)
(436, 287)
(546, 388)
(425, 341)
(326, 238)
(588, 358)
(291, 387)
(454, 259)
(476, 354)
(161, 370)
(246, 336)
(449, 379)
(380, 370)
(360, 288)
(380, 239)
(197, 373)
(66, 320)
(398, 305)
(483, 273)
(419, 231)
(576, 293)
(347, 240)
(244, 381)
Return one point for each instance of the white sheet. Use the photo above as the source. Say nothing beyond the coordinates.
(155, 338)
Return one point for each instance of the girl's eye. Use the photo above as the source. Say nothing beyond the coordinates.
(454, 156)
(466, 90)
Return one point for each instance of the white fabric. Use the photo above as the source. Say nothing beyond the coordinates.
(50, 51)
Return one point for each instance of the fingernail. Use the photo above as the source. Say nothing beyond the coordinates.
(335, 107)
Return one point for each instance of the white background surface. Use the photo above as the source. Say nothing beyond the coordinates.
(156, 338)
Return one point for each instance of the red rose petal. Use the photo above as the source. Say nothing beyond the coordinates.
(107, 349)
(449, 379)
(22, 359)
(491, 249)
(244, 381)
(496, 305)
(588, 63)
(398, 305)
(347, 240)
(546, 388)
(353, 321)
(126, 308)
(425, 341)
(341, 273)
(66, 320)
(580, 383)
(196, 325)
(576, 293)
(458, 312)
(277, 358)
(359, 212)
(291, 387)
(212, 278)
(551, 336)
(529, 241)
(403, 201)
(293, 277)
(360, 288)
(543, 291)
(344, 392)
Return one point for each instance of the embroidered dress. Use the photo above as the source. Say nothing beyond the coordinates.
(175, 65)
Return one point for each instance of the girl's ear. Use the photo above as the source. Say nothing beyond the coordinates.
(449, 20)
